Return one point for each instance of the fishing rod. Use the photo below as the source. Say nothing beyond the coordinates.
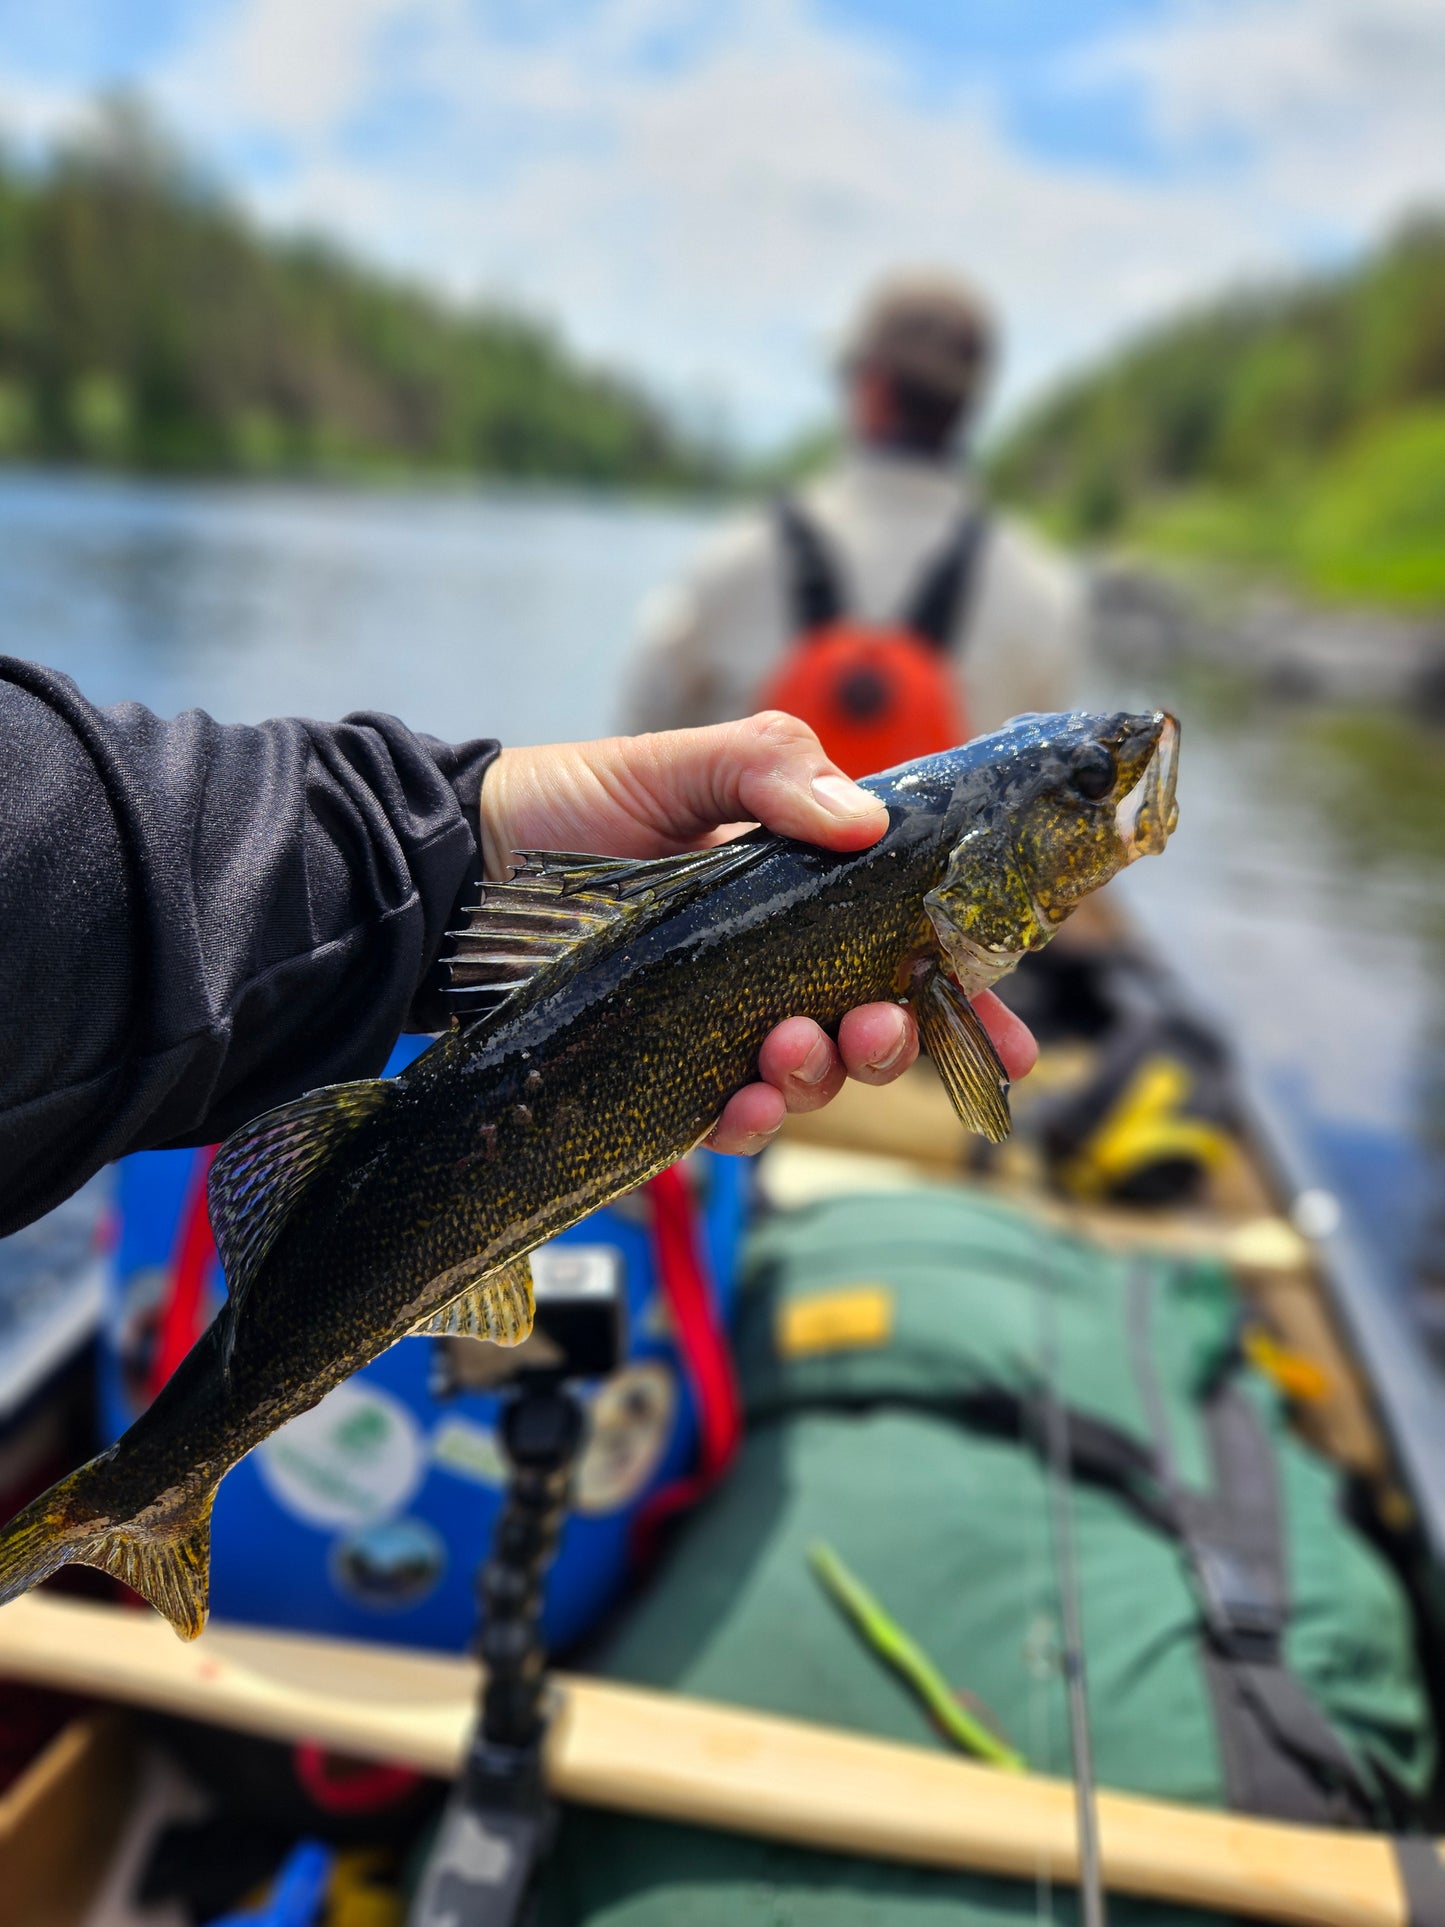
(1057, 1464)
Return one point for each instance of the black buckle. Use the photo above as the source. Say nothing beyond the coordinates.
(1241, 1607)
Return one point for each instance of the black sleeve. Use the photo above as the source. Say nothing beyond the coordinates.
(198, 921)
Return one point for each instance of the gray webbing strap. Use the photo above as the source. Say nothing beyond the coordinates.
(1423, 1880)
(815, 590)
(934, 609)
(1278, 1753)
(942, 599)
(1281, 1755)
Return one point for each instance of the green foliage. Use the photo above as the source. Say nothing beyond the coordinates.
(1375, 523)
(799, 460)
(1301, 432)
(17, 420)
(100, 416)
(143, 320)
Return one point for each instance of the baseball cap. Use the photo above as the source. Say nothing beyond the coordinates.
(926, 327)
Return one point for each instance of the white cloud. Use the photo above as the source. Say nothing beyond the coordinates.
(1337, 104)
(291, 67)
(701, 192)
(34, 115)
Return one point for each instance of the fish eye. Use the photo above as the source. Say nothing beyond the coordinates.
(1092, 770)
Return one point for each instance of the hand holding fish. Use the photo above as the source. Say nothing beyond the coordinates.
(686, 789)
(617, 1001)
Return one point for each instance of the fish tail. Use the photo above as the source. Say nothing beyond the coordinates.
(165, 1555)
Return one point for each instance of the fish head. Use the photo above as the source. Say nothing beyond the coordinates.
(1035, 818)
(1102, 795)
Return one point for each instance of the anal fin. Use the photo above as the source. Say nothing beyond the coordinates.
(964, 1056)
(497, 1306)
(168, 1562)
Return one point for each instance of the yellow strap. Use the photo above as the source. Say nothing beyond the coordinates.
(1298, 1377)
(1145, 1126)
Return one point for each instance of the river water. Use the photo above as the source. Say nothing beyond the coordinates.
(1303, 897)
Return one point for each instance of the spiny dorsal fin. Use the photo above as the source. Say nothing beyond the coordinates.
(560, 899)
(964, 1056)
(660, 878)
(498, 1305)
(262, 1170)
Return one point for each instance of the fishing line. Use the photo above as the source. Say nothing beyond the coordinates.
(1040, 1656)
(1058, 1484)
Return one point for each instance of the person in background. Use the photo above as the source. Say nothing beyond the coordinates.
(883, 603)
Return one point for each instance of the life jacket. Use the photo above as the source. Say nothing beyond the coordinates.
(876, 694)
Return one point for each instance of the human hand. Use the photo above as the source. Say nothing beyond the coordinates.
(681, 789)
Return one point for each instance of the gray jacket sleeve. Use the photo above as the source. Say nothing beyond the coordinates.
(199, 921)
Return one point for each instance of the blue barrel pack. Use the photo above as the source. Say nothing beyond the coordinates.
(367, 1516)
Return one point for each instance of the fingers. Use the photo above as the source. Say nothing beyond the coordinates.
(1012, 1038)
(652, 795)
(800, 1068)
(750, 1120)
(878, 1042)
(802, 1062)
(771, 769)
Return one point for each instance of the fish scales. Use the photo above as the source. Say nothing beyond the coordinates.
(355, 1216)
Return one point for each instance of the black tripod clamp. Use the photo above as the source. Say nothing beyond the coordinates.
(499, 1821)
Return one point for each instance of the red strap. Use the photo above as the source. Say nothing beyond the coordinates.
(702, 1349)
(180, 1325)
(350, 1786)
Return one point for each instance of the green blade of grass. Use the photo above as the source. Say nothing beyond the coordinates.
(907, 1657)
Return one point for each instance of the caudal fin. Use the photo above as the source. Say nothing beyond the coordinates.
(164, 1554)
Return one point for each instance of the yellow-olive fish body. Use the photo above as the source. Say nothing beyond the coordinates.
(609, 1009)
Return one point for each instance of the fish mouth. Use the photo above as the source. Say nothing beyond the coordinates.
(1146, 817)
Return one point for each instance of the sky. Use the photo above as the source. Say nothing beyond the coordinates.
(699, 191)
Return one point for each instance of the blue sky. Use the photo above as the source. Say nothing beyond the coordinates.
(701, 191)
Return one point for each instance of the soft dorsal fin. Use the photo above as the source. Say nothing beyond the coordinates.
(261, 1171)
(964, 1056)
(560, 899)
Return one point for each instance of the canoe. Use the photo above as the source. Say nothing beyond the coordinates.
(1370, 1409)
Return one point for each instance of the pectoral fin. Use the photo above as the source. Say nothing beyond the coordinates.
(964, 1056)
(498, 1306)
(262, 1171)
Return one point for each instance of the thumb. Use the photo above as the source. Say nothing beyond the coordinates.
(771, 769)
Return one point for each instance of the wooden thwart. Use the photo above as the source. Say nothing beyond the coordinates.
(59, 1822)
(679, 1759)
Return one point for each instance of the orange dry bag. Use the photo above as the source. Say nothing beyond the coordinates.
(876, 694)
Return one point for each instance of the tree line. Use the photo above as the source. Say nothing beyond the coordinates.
(1300, 428)
(145, 322)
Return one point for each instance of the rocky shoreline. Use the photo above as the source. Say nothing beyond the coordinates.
(1143, 621)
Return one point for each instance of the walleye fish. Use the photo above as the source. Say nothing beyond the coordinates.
(607, 1010)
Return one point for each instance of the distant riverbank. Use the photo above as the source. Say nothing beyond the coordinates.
(1149, 620)
(147, 325)
(1295, 433)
